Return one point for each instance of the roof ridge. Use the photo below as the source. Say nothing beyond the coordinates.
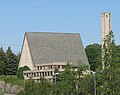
(53, 32)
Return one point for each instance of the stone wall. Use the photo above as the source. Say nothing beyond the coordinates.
(9, 89)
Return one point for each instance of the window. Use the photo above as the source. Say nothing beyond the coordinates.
(37, 67)
(58, 66)
(45, 73)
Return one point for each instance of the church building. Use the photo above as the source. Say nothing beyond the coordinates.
(42, 52)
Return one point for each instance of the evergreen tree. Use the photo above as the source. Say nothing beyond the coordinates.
(11, 63)
(2, 54)
(2, 63)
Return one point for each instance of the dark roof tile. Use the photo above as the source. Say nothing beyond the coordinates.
(46, 47)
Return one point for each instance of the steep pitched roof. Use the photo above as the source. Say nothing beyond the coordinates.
(46, 47)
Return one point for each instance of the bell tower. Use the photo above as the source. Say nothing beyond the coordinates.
(106, 26)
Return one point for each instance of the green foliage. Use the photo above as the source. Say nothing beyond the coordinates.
(108, 50)
(93, 53)
(43, 87)
(20, 71)
(8, 62)
(84, 81)
(11, 63)
(86, 85)
(108, 82)
(29, 87)
(1, 93)
(71, 83)
(74, 82)
(2, 65)
(21, 93)
(108, 79)
(12, 79)
(68, 81)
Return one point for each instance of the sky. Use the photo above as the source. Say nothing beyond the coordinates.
(67, 16)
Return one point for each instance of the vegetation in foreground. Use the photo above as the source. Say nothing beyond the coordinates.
(68, 82)
(12, 79)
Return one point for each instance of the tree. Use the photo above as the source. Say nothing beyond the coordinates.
(2, 58)
(20, 71)
(117, 52)
(93, 53)
(8, 62)
(42, 87)
(2, 65)
(2, 54)
(67, 85)
(107, 79)
(85, 81)
(29, 88)
(11, 63)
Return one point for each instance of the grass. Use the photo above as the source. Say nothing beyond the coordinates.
(12, 79)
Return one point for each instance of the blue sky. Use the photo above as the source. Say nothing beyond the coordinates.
(78, 16)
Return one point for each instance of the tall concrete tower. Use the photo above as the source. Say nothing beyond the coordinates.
(106, 26)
